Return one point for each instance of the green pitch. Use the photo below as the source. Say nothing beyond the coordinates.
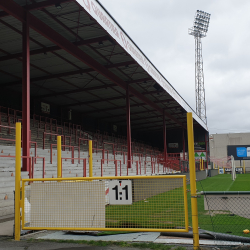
(224, 182)
(224, 222)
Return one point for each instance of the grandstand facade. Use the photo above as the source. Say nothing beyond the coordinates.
(67, 68)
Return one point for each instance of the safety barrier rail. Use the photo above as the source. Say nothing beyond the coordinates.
(6, 126)
(64, 146)
(152, 166)
(115, 162)
(109, 143)
(79, 159)
(51, 134)
(135, 203)
(34, 160)
(13, 140)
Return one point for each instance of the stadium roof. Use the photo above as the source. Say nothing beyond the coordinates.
(83, 60)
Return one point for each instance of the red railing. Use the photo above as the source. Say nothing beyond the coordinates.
(6, 126)
(137, 167)
(13, 140)
(72, 152)
(44, 137)
(137, 154)
(122, 153)
(109, 143)
(58, 128)
(115, 162)
(23, 157)
(152, 166)
(65, 140)
(69, 126)
(33, 164)
(72, 159)
(78, 128)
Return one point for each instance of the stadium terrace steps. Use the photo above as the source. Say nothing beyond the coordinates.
(7, 164)
(7, 171)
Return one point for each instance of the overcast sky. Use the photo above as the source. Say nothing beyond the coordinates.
(160, 29)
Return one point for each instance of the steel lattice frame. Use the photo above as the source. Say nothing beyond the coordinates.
(199, 30)
(199, 81)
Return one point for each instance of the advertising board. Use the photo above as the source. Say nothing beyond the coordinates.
(239, 152)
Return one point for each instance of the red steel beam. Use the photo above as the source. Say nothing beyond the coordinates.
(53, 48)
(164, 139)
(64, 74)
(85, 89)
(36, 6)
(26, 95)
(145, 118)
(94, 101)
(129, 149)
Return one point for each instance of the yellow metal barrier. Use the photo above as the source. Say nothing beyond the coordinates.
(90, 159)
(59, 157)
(17, 181)
(127, 203)
(193, 180)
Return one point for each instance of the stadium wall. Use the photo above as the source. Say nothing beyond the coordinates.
(218, 145)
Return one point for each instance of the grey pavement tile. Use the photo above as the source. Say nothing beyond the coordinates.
(66, 236)
(147, 237)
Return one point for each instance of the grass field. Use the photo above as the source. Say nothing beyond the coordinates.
(224, 222)
(149, 213)
(224, 182)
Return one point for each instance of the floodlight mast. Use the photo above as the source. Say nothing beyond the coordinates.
(199, 30)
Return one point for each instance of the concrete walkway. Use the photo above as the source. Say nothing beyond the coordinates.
(6, 242)
(6, 228)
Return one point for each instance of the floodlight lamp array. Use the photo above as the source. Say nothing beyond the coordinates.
(201, 23)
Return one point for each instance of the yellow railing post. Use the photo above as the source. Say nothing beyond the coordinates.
(17, 182)
(90, 159)
(59, 157)
(244, 167)
(192, 181)
(200, 164)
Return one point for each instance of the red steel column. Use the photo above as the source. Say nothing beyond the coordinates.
(183, 145)
(26, 94)
(206, 143)
(164, 140)
(128, 126)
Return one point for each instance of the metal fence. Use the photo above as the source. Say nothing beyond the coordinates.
(132, 203)
(225, 212)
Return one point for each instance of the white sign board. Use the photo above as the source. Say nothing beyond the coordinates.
(45, 108)
(108, 23)
(120, 192)
(173, 145)
(200, 155)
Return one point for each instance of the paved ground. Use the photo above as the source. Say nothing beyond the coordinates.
(7, 243)
(6, 228)
(25, 245)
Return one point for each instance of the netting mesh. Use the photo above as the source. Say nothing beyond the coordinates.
(228, 214)
(101, 204)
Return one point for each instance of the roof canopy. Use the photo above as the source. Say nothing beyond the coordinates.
(83, 60)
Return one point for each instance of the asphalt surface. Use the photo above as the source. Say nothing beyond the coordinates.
(6, 244)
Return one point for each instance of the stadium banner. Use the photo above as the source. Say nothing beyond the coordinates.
(96, 10)
(239, 152)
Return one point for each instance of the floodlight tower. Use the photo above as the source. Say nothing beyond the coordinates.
(199, 30)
